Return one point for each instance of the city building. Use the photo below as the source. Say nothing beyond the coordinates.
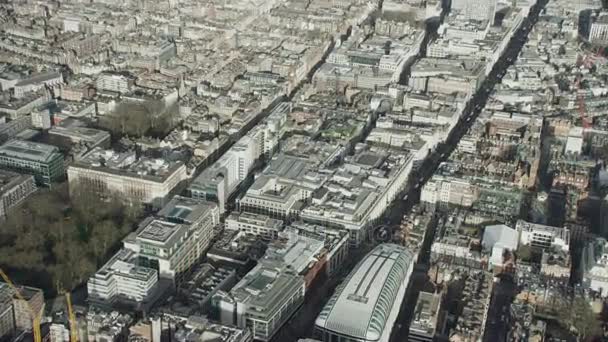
(36, 82)
(110, 326)
(542, 236)
(205, 281)
(598, 32)
(159, 254)
(497, 240)
(366, 305)
(66, 134)
(117, 82)
(429, 318)
(33, 301)
(262, 301)
(298, 253)
(200, 216)
(122, 280)
(7, 318)
(14, 189)
(480, 10)
(236, 249)
(219, 181)
(257, 224)
(169, 247)
(45, 162)
(134, 178)
(336, 243)
(474, 295)
(177, 327)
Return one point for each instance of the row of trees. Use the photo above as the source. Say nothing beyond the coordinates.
(56, 242)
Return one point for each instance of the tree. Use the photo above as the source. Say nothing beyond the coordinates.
(578, 315)
(139, 119)
(63, 238)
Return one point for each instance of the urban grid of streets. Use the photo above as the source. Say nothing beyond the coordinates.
(287, 170)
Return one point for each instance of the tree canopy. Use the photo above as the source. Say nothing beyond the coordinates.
(56, 242)
(579, 316)
(138, 119)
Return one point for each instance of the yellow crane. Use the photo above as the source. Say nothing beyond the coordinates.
(72, 318)
(35, 315)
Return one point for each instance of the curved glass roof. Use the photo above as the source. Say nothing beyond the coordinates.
(361, 306)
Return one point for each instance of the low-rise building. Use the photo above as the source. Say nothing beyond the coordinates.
(45, 162)
(263, 300)
(122, 280)
(256, 224)
(135, 178)
(116, 82)
(36, 82)
(14, 189)
(429, 319)
(171, 248)
(7, 317)
(542, 236)
(366, 306)
(30, 299)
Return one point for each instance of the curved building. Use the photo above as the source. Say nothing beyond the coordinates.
(365, 306)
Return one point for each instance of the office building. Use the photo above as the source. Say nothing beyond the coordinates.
(66, 134)
(598, 32)
(542, 236)
(257, 224)
(7, 318)
(14, 189)
(444, 192)
(262, 301)
(365, 307)
(107, 326)
(37, 82)
(45, 162)
(481, 10)
(176, 240)
(134, 178)
(219, 181)
(122, 280)
(200, 216)
(429, 319)
(32, 298)
(117, 82)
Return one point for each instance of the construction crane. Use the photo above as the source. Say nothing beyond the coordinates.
(71, 318)
(35, 315)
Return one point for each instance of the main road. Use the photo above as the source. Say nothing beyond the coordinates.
(442, 153)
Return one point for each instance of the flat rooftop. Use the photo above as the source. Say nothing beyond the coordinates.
(128, 164)
(186, 210)
(28, 150)
(266, 288)
(9, 179)
(426, 313)
(157, 231)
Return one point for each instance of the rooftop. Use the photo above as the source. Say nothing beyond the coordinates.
(159, 232)
(186, 210)
(426, 313)
(28, 150)
(9, 179)
(128, 163)
(266, 288)
(361, 306)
